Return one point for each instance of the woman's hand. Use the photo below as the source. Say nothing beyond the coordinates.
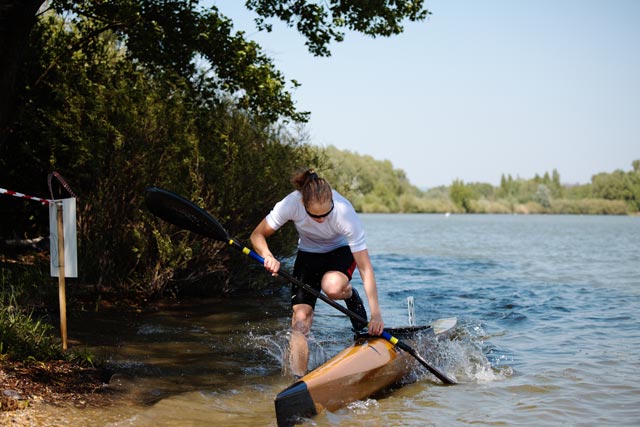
(376, 325)
(272, 265)
(259, 243)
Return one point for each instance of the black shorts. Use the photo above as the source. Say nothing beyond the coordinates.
(310, 267)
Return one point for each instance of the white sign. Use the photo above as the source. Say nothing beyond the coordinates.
(70, 237)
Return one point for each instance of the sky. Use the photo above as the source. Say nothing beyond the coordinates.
(478, 90)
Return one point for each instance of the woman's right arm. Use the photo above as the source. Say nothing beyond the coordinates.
(259, 242)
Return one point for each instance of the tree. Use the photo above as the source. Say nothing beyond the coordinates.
(481, 190)
(542, 196)
(634, 182)
(506, 184)
(461, 195)
(611, 186)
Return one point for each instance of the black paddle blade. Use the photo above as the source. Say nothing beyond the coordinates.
(183, 213)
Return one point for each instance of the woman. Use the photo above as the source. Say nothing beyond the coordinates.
(331, 245)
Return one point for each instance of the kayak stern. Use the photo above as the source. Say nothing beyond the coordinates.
(294, 403)
(368, 366)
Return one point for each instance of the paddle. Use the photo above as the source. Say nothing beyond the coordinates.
(185, 214)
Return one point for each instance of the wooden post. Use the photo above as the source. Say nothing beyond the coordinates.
(61, 275)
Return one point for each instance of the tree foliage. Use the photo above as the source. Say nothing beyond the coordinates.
(323, 22)
(175, 39)
(112, 128)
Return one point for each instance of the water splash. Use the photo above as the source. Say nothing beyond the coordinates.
(276, 347)
(467, 355)
(363, 406)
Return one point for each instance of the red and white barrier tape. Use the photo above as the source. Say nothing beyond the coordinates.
(26, 196)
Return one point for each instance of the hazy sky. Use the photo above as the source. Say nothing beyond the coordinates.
(480, 89)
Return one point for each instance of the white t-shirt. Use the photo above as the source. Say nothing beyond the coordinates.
(340, 228)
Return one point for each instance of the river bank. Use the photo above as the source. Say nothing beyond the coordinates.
(27, 387)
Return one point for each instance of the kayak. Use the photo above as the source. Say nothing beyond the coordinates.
(369, 365)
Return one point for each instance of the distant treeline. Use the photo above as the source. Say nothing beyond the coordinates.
(375, 186)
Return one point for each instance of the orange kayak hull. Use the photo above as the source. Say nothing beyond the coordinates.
(362, 369)
(368, 366)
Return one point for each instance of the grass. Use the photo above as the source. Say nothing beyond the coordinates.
(26, 335)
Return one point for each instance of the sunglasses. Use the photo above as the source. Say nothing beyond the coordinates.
(321, 215)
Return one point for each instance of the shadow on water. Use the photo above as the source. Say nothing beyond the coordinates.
(176, 347)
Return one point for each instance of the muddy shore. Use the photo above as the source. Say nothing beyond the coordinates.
(28, 387)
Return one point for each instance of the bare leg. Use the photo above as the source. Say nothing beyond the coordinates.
(337, 286)
(298, 346)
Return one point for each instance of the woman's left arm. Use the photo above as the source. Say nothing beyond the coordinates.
(376, 325)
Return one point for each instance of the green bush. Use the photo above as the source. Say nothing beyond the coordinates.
(529, 208)
(589, 207)
(485, 206)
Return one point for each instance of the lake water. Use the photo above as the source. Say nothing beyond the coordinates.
(549, 332)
